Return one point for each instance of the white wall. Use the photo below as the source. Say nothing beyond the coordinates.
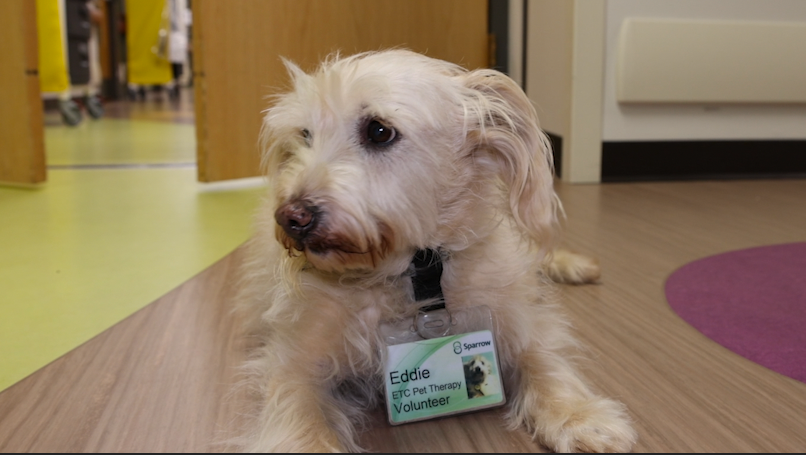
(679, 122)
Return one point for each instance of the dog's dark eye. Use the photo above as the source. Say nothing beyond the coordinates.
(380, 134)
(306, 136)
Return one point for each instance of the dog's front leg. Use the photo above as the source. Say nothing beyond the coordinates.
(551, 398)
(297, 416)
(545, 392)
(299, 371)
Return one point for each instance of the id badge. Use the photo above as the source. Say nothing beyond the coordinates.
(441, 364)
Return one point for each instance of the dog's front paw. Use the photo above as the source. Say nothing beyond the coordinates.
(597, 425)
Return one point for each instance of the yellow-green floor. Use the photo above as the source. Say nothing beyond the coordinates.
(94, 245)
(116, 142)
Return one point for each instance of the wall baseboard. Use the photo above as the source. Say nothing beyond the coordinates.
(702, 160)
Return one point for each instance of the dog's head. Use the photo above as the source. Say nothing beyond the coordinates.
(477, 369)
(376, 155)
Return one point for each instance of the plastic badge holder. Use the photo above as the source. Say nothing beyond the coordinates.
(441, 363)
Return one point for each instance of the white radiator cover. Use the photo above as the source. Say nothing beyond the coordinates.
(702, 61)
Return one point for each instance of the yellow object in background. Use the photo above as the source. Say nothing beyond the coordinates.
(53, 76)
(144, 18)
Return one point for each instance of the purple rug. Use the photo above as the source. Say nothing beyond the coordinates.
(752, 302)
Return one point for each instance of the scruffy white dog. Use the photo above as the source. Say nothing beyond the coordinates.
(371, 158)
(477, 376)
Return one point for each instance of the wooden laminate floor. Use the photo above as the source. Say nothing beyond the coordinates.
(162, 379)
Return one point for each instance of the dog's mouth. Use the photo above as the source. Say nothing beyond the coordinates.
(324, 243)
(318, 240)
(330, 249)
(331, 253)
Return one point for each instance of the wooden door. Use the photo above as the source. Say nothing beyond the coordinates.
(237, 47)
(22, 149)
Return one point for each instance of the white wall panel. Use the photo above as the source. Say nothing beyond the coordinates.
(685, 61)
(701, 120)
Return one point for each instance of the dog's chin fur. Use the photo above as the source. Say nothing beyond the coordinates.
(331, 250)
(469, 172)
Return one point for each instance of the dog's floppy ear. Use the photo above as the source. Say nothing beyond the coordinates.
(503, 122)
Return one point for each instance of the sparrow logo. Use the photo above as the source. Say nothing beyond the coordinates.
(457, 347)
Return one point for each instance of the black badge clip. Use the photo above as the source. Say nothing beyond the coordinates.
(433, 320)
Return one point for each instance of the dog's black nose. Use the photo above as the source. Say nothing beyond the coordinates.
(297, 219)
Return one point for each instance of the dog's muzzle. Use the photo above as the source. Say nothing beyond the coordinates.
(297, 219)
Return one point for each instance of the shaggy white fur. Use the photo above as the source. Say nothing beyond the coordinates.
(370, 158)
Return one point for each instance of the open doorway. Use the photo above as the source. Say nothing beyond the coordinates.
(127, 98)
